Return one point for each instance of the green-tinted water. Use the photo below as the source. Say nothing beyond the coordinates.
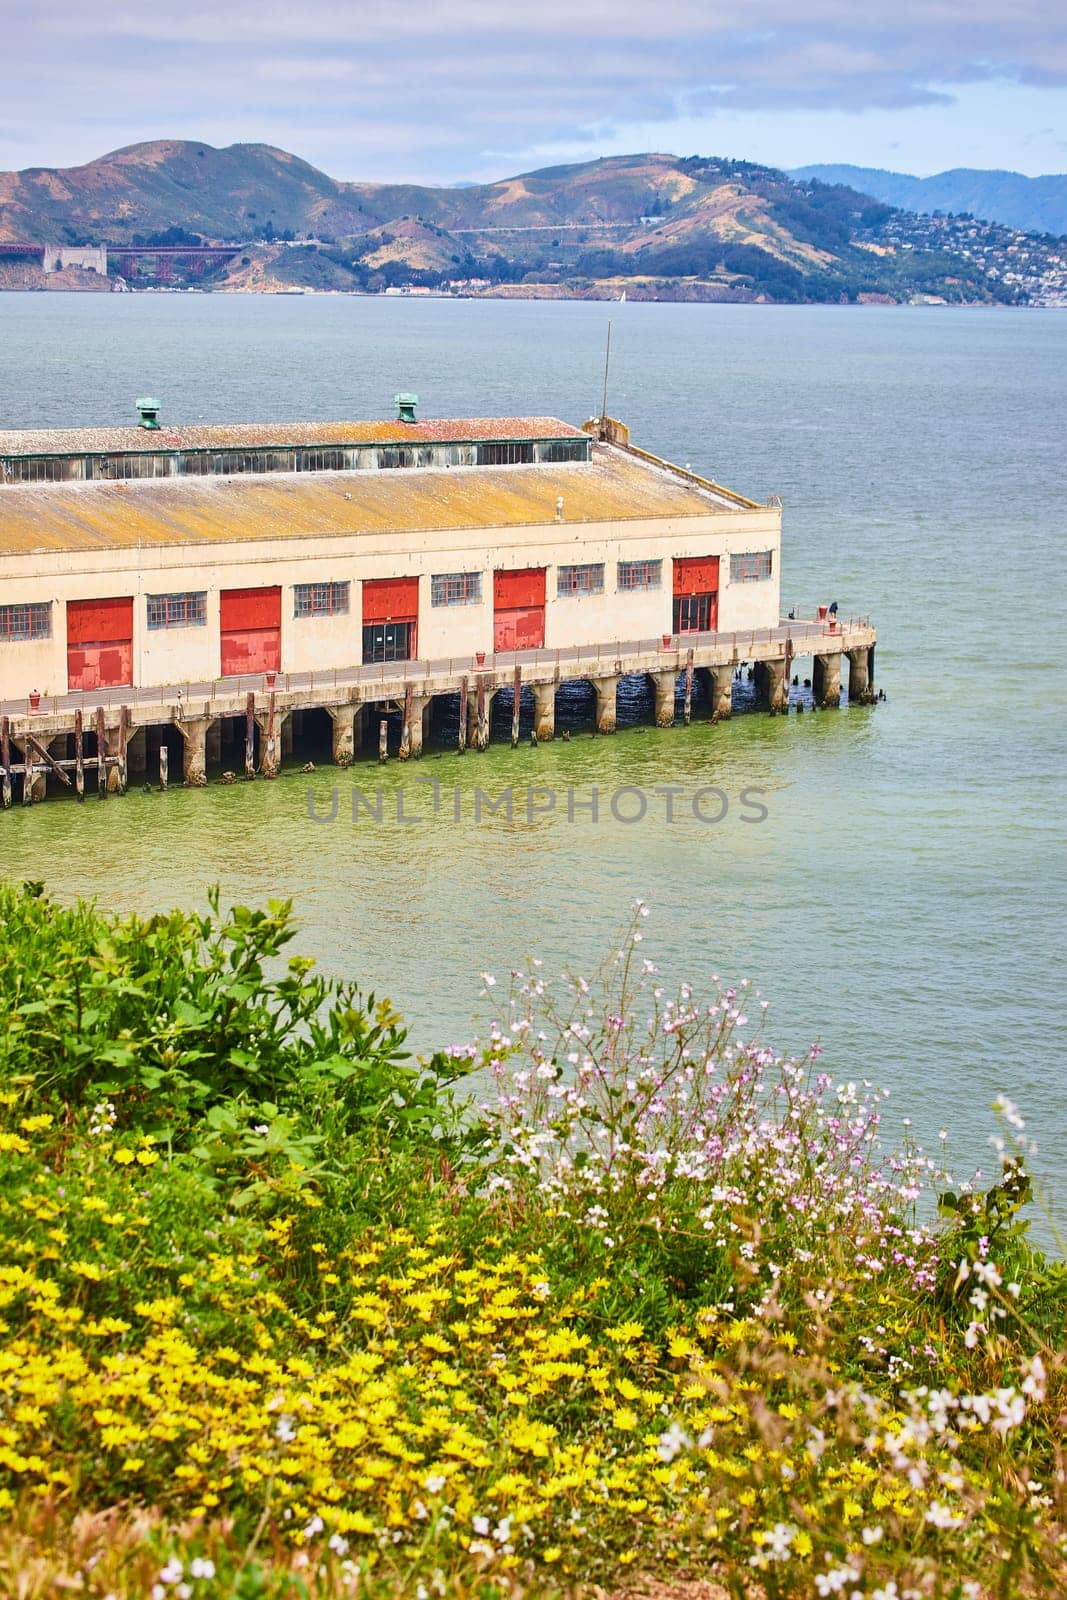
(904, 901)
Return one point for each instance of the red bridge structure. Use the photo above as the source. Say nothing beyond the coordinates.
(156, 263)
(162, 263)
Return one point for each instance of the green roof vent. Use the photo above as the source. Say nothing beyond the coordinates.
(148, 413)
(405, 407)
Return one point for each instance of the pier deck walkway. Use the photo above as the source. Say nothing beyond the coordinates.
(368, 684)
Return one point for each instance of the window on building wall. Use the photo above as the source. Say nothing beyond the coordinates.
(505, 453)
(319, 599)
(640, 574)
(177, 610)
(564, 450)
(41, 469)
(26, 622)
(750, 566)
(456, 589)
(321, 460)
(588, 579)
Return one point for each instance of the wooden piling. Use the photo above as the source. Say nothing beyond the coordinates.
(164, 763)
(5, 762)
(515, 706)
(27, 778)
(250, 736)
(79, 756)
(405, 727)
(688, 687)
(101, 754)
(481, 739)
(124, 728)
(464, 687)
(383, 740)
(269, 764)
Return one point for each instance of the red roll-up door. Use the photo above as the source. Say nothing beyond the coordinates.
(391, 600)
(519, 609)
(100, 643)
(696, 575)
(523, 587)
(696, 594)
(250, 622)
(391, 611)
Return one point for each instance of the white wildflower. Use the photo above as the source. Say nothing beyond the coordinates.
(673, 1442)
(1033, 1383)
(939, 1515)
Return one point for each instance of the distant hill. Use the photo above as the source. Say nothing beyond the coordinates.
(1037, 205)
(657, 226)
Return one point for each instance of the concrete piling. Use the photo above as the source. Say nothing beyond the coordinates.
(826, 680)
(194, 753)
(416, 718)
(545, 711)
(772, 685)
(344, 736)
(858, 680)
(607, 692)
(722, 692)
(664, 684)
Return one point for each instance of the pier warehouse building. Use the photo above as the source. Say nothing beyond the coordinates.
(169, 579)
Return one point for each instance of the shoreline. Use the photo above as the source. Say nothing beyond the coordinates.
(542, 293)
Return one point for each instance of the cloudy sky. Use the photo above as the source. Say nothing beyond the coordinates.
(470, 90)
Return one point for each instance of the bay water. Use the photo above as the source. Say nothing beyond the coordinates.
(904, 902)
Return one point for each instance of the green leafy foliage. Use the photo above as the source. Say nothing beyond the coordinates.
(282, 1316)
(181, 1015)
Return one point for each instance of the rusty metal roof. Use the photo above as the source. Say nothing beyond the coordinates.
(613, 487)
(263, 435)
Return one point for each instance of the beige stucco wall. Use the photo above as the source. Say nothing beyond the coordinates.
(172, 656)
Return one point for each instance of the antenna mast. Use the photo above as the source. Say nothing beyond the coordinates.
(607, 363)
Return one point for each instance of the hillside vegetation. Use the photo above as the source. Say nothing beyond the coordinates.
(1036, 205)
(282, 1317)
(660, 226)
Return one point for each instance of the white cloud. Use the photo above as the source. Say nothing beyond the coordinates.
(376, 89)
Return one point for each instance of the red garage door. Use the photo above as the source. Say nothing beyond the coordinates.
(519, 609)
(100, 643)
(251, 625)
(390, 619)
(696, 594)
